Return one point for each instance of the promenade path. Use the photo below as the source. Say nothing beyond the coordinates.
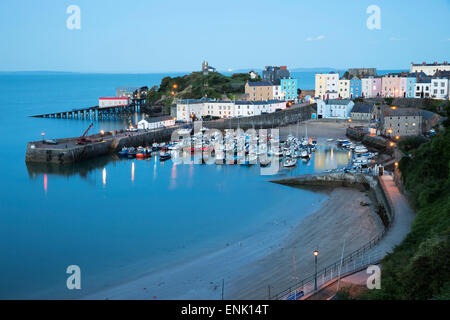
(400, 227)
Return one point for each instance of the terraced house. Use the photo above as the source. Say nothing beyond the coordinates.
(259, 91)
(288, 88)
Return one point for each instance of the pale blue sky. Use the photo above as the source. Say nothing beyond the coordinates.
(162, 36)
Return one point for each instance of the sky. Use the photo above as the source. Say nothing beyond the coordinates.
(143, 36)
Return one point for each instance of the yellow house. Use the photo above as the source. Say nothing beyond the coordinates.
(321, 84)
(259, 91)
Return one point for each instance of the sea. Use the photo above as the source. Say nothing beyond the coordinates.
(119, 219)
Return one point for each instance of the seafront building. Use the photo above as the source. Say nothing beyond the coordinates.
(371, 87)
(344, 88)
(156, 123)
(363, 112)
(410, 84)
(425, 80)
(422, 87)
(272, 73)
(440, 85)
(401, 121)
(334, 108)
(289, 88)
(276, 87)
(429, 68)
(188, 110)
(355, 88)
(327, 85)
(259, 91)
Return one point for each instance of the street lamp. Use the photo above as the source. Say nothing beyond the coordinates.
(316, 253)
(43, 136)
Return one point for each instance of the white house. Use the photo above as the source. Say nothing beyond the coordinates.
(439, 87)
(334, 109)
(187, 109)
(422, 88)
(113, 102)
(155, 123)
(221, 109)
(277, 94)
(253, 74)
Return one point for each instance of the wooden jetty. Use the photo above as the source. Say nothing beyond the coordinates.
(117, 112)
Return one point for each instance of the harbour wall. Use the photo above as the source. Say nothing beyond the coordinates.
(384, 207)
(61, 154)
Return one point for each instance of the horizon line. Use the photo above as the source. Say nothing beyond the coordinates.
(160, 72)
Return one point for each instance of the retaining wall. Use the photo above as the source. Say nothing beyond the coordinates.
(269, 120)
(358, 181)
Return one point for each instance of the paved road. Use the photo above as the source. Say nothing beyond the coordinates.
(401, 226)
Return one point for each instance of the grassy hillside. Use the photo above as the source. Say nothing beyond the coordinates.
(197, 85)
(419, 268)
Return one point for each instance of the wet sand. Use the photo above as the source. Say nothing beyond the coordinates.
(248, 267)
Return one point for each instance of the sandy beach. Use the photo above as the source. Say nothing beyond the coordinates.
(248, 267)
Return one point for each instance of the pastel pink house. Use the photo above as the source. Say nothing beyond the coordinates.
(391, 86)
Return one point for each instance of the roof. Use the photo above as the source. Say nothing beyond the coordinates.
(427, 115)
(338, 101)
(441, 74)
(362, 108)
(158, 119)
(390, 112)
(445, 63)
(259, 83)
(113, 98)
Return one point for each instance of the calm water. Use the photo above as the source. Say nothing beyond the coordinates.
(117, 219)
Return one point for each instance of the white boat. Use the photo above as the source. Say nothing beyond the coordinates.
(361, 149)
(289, 162)
(304, 154)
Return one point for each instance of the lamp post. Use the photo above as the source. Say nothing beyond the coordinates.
(316, 253)
(43, 136)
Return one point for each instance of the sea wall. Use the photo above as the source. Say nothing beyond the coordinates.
(384, 206)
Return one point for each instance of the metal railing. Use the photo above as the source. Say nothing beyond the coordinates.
(355, 261)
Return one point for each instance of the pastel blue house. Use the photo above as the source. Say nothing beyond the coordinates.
(410, 82)
(289, 88)
(355, 88)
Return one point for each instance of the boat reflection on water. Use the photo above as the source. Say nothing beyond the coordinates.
(328, 157)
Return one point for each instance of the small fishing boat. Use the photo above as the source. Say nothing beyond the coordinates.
(123, 153)
(155, 147)
(131, 153)
(163, 156)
